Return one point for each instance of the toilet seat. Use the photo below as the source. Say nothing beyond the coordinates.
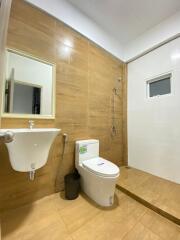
(101, 167)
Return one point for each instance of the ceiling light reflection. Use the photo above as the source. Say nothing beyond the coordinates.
(175, 56)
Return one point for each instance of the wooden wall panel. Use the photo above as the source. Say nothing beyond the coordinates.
(85, 77)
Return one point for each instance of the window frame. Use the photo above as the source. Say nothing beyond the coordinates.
(156, 79)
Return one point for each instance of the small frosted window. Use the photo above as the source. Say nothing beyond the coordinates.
(160, 86)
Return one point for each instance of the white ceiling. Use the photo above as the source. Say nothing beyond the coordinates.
(127, 19)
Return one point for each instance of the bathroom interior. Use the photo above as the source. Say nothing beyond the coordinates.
(89, 120)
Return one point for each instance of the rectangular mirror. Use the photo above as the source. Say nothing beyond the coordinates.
(29, 87)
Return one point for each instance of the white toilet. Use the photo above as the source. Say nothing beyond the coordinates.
(98, 176)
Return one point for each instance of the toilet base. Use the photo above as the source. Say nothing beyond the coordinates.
(99, 189)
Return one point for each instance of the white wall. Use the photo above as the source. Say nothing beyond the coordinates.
(154, 123)
(153, 37)
(64, 11)
(23, 99)
(72, 16)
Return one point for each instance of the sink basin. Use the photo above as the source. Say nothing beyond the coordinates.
(28, 130)
(30, 147)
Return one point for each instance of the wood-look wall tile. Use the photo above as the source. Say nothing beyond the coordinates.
(70, 38)
(30, 40)
(32, 17)
(85, 78)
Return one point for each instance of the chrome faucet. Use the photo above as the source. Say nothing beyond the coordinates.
(31, 124)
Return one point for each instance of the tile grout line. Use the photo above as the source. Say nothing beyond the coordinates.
(138, 221)
(131, 229)
(155, 232)
(135, 224)
(84, 224)
(87, 221)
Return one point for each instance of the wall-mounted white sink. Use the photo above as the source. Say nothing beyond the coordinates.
(30, 147)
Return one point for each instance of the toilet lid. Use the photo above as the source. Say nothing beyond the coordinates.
(101, 167)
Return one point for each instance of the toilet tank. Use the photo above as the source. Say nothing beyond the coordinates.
(86, 149)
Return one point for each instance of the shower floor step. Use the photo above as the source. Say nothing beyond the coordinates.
(158, 194)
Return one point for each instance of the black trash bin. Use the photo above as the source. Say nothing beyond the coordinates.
(72, 185)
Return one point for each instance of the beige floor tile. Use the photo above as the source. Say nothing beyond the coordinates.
(160, 225)
(128, 210)
(25, 222)
(149, 190)
(159, 192)
(132, 178)
(31, 212)
(76, 215)
(55, 231)
(171, 206)
(54, 218)
(16, 221)
(60, 202)
(177, 237)
(139, 232)
(102, 228)
(112, 223)
(28, 230)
